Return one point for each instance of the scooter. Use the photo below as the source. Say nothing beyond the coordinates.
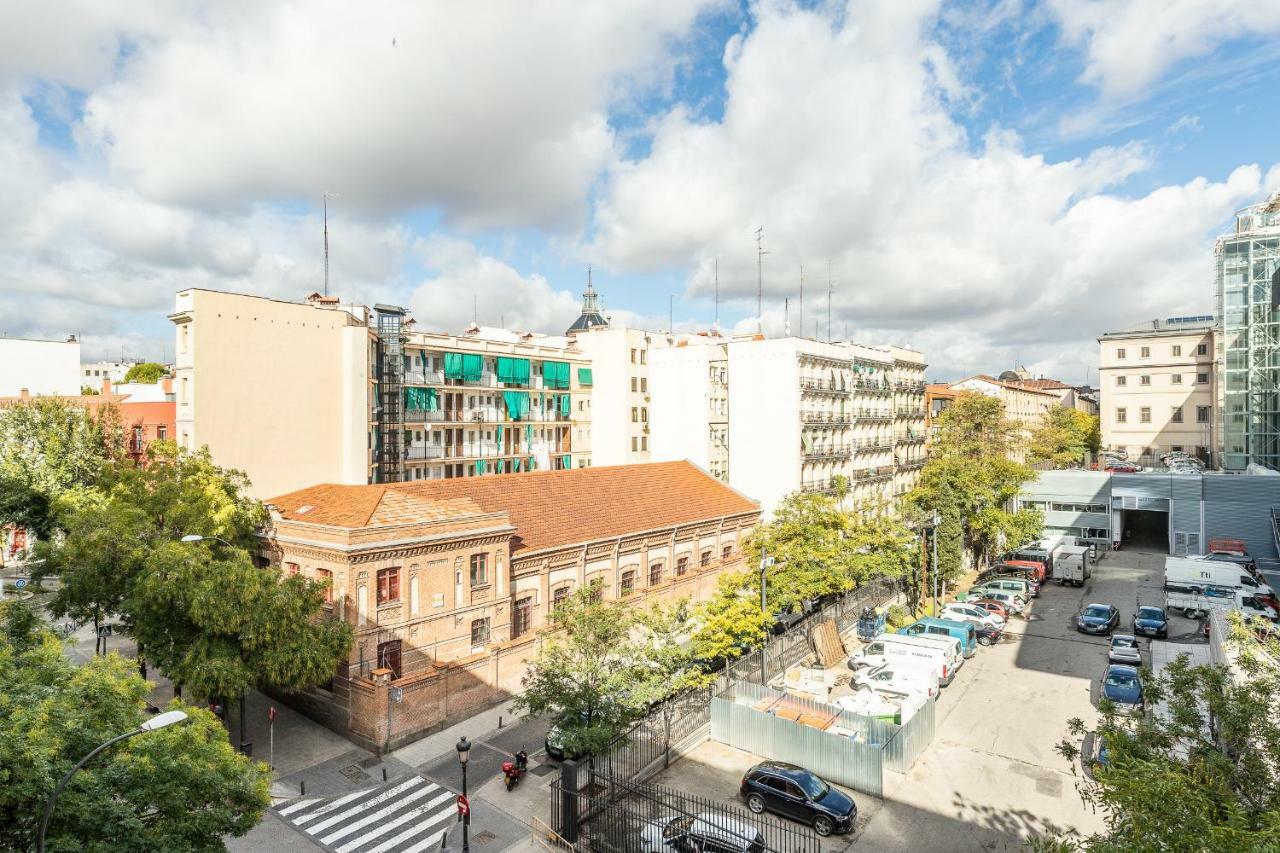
(513, 770)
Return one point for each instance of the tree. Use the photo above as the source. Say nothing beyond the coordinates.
(51, 446)
(1064, 436)
(88, 391)
(586, 673)
(731, 621)
(1201, 774)
(146, 372)
(969, 480)
(669, 667)
(179, 788)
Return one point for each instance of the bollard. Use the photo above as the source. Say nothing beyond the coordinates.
(499, 721)
(384, 774)
(303, 786)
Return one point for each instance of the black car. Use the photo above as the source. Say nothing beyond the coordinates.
(1151, 622)
(796, 793)
(1098, 619)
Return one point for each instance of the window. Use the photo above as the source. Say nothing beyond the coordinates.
(1202, 414)
(388, 585)
(635, 415)
(1202, 451)
(480, 632)
(185, 387)
(628, 582)
(1144, 380)
(633, 356)
(1202, 378)
(326, 577)
(644, 384)
(1121, 381)
(522, 617)
(1177, 448)
(162, 432)
(291, 568)
(644, 442)
(655, 574)
(635, 384)
(635, 444)
(389, 657)
(479, 569)
(705, 559)
(1122, 416)
(1202, 349)
(1120, 352)
(1177, 378)
(1177, 415)
(1177, 350)
(559, 597)
(1145, 353)
(682, 566)
(644, 356)
(725, 552)
(644, 414)
(1144, 415)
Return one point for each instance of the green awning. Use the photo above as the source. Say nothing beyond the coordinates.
(566, 404)
(533, 464)
(481, 466)
(555, 375)
(528, 435)
(453, 365)
(513, 371)
(516, 465)
(472, 368)
(566, 462)
(499, 435)
(416, 399)
(422, 354)
(517, 403)
(433, 400)
(584, 376)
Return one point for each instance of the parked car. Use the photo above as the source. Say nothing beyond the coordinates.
(796, 793)
(1017, 574)
(1097, 619)
(1122, 468)
(555, 740)
(991, 606)
(942, 654)
(988, 636)
(1013, 603)
(1025, 588)
(1151, 622)
(1123, 686)
(930, 625)
(1124, 649)
(899, 678)
(963, 611)
(706, 831)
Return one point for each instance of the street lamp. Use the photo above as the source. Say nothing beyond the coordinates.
(196, 537)
(160, 721)
(464, 751)
(765, 562)
(937, 519)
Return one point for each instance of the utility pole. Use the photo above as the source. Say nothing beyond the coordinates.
(936, 520)
(327, 196)
(765, 562)
(786, 317)
(760, 253)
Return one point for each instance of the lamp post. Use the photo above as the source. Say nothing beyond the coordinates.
(937, 519)
(765, 562)
(160, 721)
(464, 751)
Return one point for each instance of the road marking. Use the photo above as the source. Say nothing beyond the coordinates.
(395, 806)
(301, 804)
(380, 798)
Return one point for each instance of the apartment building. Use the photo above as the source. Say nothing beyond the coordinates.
(909, 417)
(39, 367)
(1158, 389)
(938, 397)
(690, 416)
(449, 583)
(92, 373)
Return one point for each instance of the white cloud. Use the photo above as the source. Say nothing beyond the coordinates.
(494, 113)
(836, 138)
(1129, 44)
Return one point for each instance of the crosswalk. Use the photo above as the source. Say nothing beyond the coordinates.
(404, 816)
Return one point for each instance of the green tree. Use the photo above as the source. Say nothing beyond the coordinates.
(1201, 774)
(88, 391)
(179, 788)
(1064, 436)
(51, 446)
(146, 372)
(731, 621)
(586, 674)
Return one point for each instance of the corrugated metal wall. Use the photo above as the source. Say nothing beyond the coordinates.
(1239, 507)
(1141, 485)
(1076, 486)
(1184, 510)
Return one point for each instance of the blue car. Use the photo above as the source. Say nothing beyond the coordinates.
(1122, 686)
(1097, 619)
(1151, 622)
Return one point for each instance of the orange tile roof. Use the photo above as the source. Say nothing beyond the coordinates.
(548, 508)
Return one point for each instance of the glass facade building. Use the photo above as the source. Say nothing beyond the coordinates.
(1248, 303)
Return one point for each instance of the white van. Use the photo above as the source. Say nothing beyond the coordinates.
(1071, 566)
(900, 678)
(941, 654)
(1182, 574)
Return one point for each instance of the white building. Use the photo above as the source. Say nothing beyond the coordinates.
(40, 367)
(93, 372)
(621, 362)
(690, 416)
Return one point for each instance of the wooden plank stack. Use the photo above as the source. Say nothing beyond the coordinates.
(827, 643)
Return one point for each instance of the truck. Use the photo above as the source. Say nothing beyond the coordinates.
(1072, 565)
(1185, 574)
(1196, 603)
(1044, 551)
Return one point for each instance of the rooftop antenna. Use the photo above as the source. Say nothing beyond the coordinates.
(802, 300)
(830, 288)
(327, 196)
(475, 311)
(760, 253)
(671, 313)
(717, 293)
(786, 318)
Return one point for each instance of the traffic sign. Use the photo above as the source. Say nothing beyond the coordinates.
(464, 807)
(20, 583)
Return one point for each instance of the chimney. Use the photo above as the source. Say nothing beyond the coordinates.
(24, 394)
(106, 385)
(167, 384)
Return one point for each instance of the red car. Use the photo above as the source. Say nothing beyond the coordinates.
(1122, 468)
(992, 605)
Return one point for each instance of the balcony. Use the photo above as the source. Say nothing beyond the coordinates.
(873, 445)
(822, 487)
(867, 475)
(911, 465)
(910, 411)
(823, 386)
(825, 418)
(828, 453)
(873, 415)
(424, 451)
(909, 439)
(872, 386)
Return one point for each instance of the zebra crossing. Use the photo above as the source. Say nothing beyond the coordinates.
(404, 816)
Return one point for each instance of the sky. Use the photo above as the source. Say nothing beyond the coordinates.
(994, 183)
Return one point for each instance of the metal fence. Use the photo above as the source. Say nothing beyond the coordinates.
(629, 817)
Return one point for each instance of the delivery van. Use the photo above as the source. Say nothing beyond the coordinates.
(943, 655)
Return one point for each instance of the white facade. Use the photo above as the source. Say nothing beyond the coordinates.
(621, 400)
(690, 413)
(43, 368)
(92, 373)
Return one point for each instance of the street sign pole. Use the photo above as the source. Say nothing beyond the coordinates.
(271, 737)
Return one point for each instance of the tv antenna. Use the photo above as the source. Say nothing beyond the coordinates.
(760, 253)
(327, 196)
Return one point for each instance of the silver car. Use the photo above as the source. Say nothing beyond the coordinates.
(1125, 649)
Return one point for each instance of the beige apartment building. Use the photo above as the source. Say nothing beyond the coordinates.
(1157, 389)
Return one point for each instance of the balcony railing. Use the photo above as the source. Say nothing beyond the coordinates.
(485, 415)
(424, 451)
(910, 412)
(874, 415)
(872, 445)
(823, 487)
(868, 474)
(834, 418)
(911, 465)
(815, 454)
(911, 386)
(473, 450)
(823, 386)
(909, 439)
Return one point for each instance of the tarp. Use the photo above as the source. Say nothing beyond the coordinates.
(517, 403)
(584, 376)
(415, 399)
(566, 404)
(555, 374)
(481, 466)
(566, 462)
(472, 367)
(453, 365)
(513, 371)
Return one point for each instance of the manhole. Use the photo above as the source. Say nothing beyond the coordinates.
(542, 770)
(354, 773)
(483, 837)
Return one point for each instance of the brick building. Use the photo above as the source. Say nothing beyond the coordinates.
(449, 583)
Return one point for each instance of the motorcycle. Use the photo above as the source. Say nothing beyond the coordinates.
(513, 770)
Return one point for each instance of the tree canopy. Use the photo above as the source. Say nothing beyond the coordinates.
(1203, 773)
(1064, 436)
(146, 372)
(52, 446)
(178, 788)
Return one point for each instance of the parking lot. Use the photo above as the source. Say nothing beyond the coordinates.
(991, 776)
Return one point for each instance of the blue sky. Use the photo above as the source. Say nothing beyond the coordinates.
(982, 177)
